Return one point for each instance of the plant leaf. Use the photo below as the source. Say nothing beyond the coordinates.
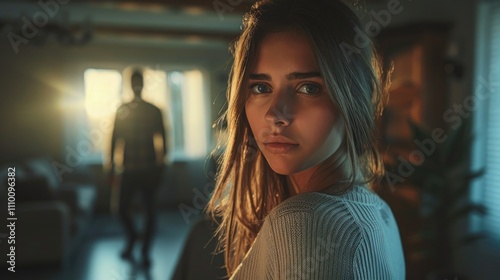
(458, 143)
(463, 189)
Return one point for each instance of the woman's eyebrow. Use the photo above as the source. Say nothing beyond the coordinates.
(290, 76)
(303, 75)
(265, 77)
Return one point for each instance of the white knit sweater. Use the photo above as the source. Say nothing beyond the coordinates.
(321, 236)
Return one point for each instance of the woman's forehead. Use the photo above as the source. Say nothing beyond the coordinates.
(288, 50)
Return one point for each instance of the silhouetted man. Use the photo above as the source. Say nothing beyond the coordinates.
(136, 124)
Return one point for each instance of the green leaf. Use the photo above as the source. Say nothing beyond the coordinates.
(463, 189)
(458, 143)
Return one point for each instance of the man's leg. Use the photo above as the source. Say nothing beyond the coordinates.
(126, 195)
(149, 203)
(148, 196)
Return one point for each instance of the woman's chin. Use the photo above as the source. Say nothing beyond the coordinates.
(284, 168)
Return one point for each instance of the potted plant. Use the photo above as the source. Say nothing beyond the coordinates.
(443, 180)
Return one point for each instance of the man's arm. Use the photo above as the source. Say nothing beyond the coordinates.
(114, 138)
(117, 134)
(161, 129)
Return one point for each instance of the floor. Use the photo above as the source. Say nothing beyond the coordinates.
(98, 257)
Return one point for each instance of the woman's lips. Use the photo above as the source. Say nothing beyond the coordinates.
(279, 144)
(280, 148)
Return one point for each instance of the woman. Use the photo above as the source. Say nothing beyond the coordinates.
(294, 189)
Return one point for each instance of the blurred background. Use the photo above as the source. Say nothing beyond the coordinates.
(65, 69)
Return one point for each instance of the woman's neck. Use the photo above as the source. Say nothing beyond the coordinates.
(320, 177)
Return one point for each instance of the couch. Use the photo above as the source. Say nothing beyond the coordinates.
(52, 213)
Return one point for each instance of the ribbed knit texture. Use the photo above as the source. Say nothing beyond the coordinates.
(321, 236)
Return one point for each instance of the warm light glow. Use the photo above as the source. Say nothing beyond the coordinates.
(195, 137)
(154, 90)
(158, 143)
(106, 90)
(155, 87)
(102, 92)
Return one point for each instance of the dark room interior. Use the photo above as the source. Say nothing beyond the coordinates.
(66, 68)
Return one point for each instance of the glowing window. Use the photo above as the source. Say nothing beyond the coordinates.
(179, 94)
(102, 92)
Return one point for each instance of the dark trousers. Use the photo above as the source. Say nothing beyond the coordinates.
(144, 183)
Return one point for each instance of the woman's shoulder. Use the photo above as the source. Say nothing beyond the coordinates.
(313, 201)
(358, 206)
(319, 226)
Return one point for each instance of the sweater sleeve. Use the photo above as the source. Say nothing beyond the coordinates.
(312, 246)
(315, 237)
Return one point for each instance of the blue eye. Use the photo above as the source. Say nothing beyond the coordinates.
(260, 88)
(310, 89)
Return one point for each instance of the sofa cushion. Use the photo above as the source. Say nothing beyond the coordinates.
(33, 189)
(43, 167)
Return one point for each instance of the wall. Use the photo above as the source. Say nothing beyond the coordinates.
(38, 81)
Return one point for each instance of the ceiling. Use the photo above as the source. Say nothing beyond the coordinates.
(237, 5)
(199, 21)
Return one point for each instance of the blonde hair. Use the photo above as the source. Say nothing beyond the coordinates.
(247, 189)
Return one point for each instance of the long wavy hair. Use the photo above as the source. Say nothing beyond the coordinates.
(247, 189)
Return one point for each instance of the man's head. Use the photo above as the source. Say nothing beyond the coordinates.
(137, 82)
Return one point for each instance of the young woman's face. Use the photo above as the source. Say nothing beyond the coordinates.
(291, 116)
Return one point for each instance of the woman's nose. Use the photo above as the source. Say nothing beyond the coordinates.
(280, 111)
